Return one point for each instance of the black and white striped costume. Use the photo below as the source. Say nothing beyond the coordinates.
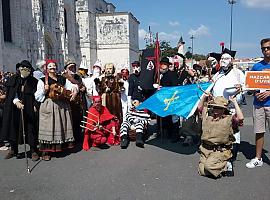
(136, 118)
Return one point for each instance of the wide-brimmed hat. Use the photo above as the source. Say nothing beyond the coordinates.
(165, 60)
(219, 102)
(25, 63)
(69, 61)
(83, 67)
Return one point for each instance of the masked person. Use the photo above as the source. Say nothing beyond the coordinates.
(55, 123)
(110, 91)
(124, 91)
(92, 81)
(20, 89)
(217, 136)
(228, 82)
(136, 120)
(134, 84)
(102, 128)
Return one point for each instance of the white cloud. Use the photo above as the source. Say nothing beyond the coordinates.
(175, 23)
(142, 34)
(153, 24)
(257, 3)
(169, 36)
(200, 31)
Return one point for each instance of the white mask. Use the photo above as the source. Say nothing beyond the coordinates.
(136, 70)
(225, 61)
(96, 72)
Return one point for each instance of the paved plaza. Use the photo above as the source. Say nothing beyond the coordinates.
(160, 171)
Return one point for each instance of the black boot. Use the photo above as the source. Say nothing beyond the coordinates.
(13, 152)
(124, 142)
(139, 140)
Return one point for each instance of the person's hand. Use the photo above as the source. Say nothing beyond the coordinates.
(107, 89)
(113, 132)
(73, 96)
(82, 88)
(46, 87)
(19, 105)
(262, 96)
(35, 109)
(233, 99)
(238, 87)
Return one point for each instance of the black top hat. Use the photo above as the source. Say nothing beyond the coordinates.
(165, 60)
(230, 52)
(135, 63)
(217, 56)
(25, 63)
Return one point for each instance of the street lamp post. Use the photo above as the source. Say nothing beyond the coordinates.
(231, 2)
(192, 38)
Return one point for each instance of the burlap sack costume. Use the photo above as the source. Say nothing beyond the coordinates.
(217, 138)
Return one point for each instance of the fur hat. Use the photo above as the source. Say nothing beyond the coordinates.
(219, 102)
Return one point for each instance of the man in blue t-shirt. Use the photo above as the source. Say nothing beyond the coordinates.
(261, 111)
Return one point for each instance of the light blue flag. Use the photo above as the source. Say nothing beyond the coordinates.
(179, 100)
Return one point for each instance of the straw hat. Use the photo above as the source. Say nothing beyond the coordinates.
(219, 102)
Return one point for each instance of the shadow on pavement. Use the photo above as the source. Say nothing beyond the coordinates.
(167, 145)
(249, 151)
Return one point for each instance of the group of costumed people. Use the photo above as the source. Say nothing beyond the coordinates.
(57, 110)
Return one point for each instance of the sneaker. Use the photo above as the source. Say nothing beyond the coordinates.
(229, 171)
(255, 162)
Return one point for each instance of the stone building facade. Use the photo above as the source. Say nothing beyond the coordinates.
(37, 29)
(57, 29)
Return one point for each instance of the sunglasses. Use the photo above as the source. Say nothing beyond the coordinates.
(265, 48)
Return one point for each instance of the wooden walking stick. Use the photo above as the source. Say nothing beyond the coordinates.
(24, 143)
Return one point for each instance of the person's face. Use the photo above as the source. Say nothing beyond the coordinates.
(24, 71)
(71, 68)
(163, 68)
(225, 61)
(218, 112)
(171, 68)
(97, 104)
(125, 74)
(136, 69)
(51, 68)
(109, 70)
(213, 61)
(266, 49)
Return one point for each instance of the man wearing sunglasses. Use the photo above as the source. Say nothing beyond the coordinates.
(261, 111)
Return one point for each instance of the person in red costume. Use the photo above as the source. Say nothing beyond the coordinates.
(101, 127)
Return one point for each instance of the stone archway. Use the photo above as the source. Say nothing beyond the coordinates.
(49, 47)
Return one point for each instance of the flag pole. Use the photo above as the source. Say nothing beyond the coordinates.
(157, 58)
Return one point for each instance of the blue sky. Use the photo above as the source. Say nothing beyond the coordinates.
(208, 20)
